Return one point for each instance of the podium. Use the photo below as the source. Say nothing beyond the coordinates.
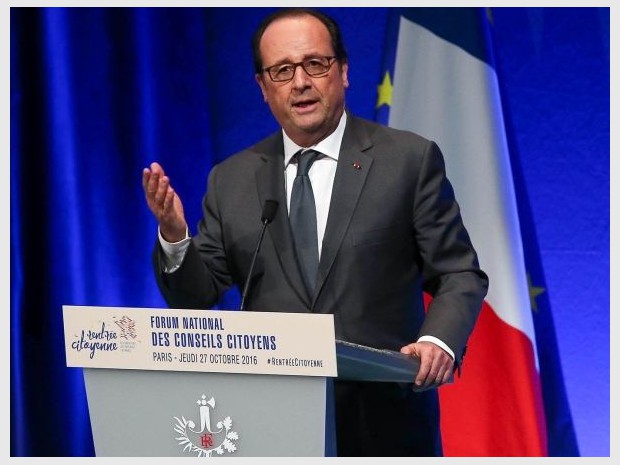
(222, 408)
(140, 412)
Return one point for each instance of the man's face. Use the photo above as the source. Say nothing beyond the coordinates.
(308, 108)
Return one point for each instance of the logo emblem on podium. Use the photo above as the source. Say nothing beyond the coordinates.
(127, 326)
(203, 440)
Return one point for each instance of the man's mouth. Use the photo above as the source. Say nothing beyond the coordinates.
(304, 104)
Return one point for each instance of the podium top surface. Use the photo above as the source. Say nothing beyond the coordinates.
(362, 363)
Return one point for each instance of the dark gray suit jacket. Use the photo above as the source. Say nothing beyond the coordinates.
(394, 230)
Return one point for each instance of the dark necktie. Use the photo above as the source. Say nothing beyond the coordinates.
(302, 217)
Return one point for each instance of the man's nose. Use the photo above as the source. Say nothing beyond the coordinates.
(301, 79)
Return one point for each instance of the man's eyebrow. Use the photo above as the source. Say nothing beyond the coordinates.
(307, 56)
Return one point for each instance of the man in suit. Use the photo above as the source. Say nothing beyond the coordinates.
(387, 228)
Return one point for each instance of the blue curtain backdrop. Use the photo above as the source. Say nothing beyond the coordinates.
(99, 93)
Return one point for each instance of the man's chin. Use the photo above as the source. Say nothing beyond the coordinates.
(307, 120)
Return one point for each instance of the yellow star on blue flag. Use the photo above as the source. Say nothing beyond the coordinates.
(534, 292)
(384, 91)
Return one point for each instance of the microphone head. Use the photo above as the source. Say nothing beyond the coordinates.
(269, 211)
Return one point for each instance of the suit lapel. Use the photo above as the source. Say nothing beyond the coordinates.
(270, 185)
(353, 168)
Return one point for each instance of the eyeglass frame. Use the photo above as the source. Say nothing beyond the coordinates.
(331, 61)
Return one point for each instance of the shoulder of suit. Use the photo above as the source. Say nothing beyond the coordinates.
(379, 131)
(382, 137)
(255, 154)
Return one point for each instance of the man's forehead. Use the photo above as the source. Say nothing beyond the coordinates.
(304, 36)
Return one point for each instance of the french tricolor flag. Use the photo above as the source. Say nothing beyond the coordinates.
(440, 81)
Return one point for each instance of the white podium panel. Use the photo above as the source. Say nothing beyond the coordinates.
(166, 414)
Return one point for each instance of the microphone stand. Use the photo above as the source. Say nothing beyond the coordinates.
(269, 211)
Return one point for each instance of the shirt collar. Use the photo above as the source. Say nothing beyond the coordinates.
(330, 146)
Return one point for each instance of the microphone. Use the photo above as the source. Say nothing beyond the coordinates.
(270, 208)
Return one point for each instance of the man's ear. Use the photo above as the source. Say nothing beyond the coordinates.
(344, 74)
(261, 84)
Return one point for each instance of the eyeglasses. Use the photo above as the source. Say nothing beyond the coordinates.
(315, 67)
